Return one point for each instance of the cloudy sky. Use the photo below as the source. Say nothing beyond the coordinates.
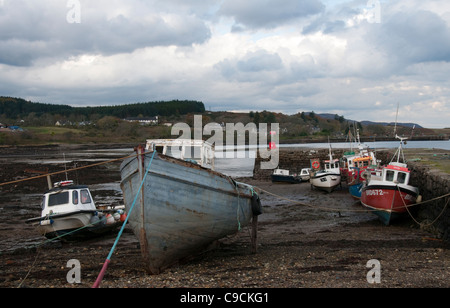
(355, 58)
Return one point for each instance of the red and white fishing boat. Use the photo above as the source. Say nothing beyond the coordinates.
(356, 164)
(389, 194)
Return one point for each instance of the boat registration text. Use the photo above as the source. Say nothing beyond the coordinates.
(375, 192)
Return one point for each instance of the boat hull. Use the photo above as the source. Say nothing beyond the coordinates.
(73, 226)
(58, 226)
(285, 179)
(388, 202)
(355, 190)
(181, 209)
(326, 181)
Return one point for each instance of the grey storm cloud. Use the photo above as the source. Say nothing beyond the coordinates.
(268, 14)
(33, 30)
(251, 66)
(413, 37)
(290, 55)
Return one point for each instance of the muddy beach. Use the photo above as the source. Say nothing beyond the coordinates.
(323, 240)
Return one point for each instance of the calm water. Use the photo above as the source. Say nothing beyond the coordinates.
(243, 162)
(241, 165)
(445, 145)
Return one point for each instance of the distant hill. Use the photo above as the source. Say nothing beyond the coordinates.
(14, 108)
(333, 117)
(391, 124)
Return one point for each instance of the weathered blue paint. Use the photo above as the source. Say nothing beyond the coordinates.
(182, 208)
(355, 190)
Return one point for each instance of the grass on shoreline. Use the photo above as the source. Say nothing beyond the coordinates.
(434, 158)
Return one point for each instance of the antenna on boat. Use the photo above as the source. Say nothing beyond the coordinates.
(412, 131)
(65, 166)
(396, 117)
(402, 140)
(329, 144)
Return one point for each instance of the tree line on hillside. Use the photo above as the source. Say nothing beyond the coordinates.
(17, 108)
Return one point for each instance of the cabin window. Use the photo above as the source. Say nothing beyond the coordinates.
(75, 197)
(85, 197)
(174, 151)
(401, 177)
(332, 165)
(390, 175)
(58, 199)
(192, 152)
(43, 203)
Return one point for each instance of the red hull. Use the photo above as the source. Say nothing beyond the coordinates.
(387, 199)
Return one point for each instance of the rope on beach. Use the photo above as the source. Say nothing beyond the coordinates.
(108, 259)
(330, 209)
(296, 202)
(412, 217)
(47, 241)
(69, 170)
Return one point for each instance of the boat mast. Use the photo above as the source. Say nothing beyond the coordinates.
(400, 148)
(329, 144)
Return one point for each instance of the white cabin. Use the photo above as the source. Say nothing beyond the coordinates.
(198, 151)
(281, 172)
(67, 198)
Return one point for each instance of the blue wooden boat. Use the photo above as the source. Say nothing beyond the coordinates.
(183, 206)
(355, 190)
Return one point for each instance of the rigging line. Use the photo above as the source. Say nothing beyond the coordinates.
(70, 170)
(295, 202)
(37, 246)
(423, 224)
(29, 271)
(108, 259)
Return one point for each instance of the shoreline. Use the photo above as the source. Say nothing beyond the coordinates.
(298, 246)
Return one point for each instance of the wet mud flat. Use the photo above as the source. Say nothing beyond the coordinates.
(319, 240)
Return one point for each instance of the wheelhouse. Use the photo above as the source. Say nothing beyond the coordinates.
(332, 164)
(67, 199)
(396, 173)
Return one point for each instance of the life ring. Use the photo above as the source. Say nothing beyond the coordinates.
(316, 165)
(365, 174)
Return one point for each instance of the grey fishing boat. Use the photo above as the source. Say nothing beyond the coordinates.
(181, 204)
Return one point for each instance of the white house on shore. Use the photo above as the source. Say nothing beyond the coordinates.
(144, 121)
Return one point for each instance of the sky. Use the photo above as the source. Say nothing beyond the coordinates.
(358, 59)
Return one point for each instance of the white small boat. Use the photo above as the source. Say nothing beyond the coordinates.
(69, 212)
(305, 174)
(328, 178)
